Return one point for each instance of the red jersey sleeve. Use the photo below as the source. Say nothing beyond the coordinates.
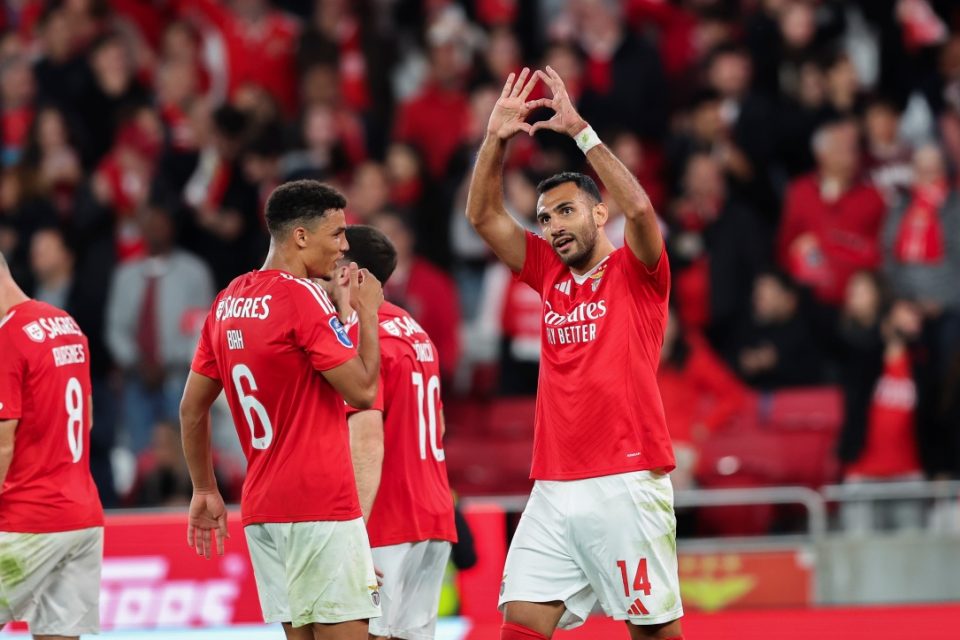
(318, 330)
(205, 359)
(12, 371)
(535, 262)
(655, 279)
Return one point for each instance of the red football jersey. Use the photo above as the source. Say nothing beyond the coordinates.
(598, 406)
(267, 338)
(45, 384)
(413, 502)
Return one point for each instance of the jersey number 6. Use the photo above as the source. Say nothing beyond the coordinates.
(251, 405)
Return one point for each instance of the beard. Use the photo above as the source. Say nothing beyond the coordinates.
(584, 245)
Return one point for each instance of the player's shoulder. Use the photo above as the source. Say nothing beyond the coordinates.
(33, 321)
(539, 249)
(397, 323)
(305, 293)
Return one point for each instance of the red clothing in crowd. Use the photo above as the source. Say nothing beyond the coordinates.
(700, 391)
(260, 53)
(677, 29)
(891, 448)
(16, 127)
(435, 122)
(430, 296)
(846, 231)
(520, 319)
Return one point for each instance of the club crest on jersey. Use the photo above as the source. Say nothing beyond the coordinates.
(34, 331)
(340, 332)
(391, 327)
(597, 277)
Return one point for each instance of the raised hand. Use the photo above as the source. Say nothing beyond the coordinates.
(511, 111)
(339, 289)
(366, 291)
(565, 118)
(207, 520)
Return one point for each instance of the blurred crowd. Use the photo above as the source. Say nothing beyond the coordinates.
(802, 154)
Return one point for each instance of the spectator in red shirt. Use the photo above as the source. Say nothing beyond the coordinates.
(831, 218)
(435, 121)
(260, 43)
(884, 398)
(428, 293)
(700, 394)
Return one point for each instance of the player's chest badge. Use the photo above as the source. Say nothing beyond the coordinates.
(597, 278)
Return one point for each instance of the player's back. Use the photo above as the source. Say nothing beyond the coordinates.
(45, 384)
(414, 501)
(267, 339)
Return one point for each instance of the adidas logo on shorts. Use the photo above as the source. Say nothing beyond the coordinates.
(637, 609)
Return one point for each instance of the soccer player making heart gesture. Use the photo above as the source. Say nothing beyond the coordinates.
(599, 525)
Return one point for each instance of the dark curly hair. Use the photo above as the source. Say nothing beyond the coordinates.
(300, 202)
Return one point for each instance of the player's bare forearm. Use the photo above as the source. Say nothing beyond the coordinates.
(485, 208)
(485, 195)
(8, 429)
(198, 397)
(642, 229)
(366, 450)
(369, 352)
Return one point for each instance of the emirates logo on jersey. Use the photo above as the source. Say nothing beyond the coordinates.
(34, 331)
(584, 312)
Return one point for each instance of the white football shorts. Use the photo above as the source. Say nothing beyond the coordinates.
(610, 539)
(52, 580)
(410, 595)
(310, 572)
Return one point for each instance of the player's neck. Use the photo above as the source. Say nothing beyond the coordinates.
(601, 250)
(10, 295)
(279, 260)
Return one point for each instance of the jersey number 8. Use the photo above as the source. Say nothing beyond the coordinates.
(251, 406)
(73, 399)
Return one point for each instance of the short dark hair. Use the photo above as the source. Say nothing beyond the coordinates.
(371, 249)
(300, 201)
(584, 182)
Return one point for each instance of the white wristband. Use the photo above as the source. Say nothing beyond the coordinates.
(587, 139)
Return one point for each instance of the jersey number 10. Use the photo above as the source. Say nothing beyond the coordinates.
(428, 422)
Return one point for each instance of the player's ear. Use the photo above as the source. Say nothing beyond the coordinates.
(600, 214)
(300, 235)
